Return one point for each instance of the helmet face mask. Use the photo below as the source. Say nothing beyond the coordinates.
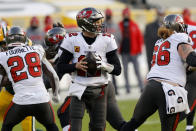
(87, 20)
(15, 37)
(174, 22)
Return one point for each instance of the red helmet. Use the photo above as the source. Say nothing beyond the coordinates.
(48, 20)
(86, 19)
(34, 21)
(108, 12)
(126, 12)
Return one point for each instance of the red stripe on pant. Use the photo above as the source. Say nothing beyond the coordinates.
(11, 104)
(52, 111)
(64, 107)
(176, 121)
(193, 105)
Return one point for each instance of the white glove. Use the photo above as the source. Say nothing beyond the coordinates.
(56, 98)
(104, 65)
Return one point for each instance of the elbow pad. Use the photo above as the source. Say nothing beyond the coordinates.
(191, 59)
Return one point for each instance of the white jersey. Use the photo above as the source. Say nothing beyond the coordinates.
(75, 43)
(23, 67)
(167, 63)
(191, 30)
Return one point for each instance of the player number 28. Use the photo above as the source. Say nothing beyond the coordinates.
(33, 62)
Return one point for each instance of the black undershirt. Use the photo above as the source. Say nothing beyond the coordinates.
(89, 40)
(64, 66)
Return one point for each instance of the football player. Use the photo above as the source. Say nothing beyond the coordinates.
(53, 39)
(167, 78)
(191, 84)
(88, 91)
(23, 66)
(7, 92)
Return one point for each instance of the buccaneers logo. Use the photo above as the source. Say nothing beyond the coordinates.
(85, 14)
(179, 20)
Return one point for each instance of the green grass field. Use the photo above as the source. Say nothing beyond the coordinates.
(126, 107)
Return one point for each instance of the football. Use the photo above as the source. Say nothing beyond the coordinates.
(91, 64)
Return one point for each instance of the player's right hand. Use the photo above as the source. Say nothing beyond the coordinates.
(56, 98)
(81, 65)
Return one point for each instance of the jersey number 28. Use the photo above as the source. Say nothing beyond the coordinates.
(32, 60)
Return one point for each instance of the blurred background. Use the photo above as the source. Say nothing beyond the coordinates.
(19, 12)
(40, 14)
(37, 16)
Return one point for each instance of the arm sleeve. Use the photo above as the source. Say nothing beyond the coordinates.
(113, 59)
(191, 59)
(50, 72)
(63, 64)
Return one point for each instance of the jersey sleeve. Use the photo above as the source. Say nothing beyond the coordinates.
(184, 38)
(67, 44)
(111, 44)
(40, 49)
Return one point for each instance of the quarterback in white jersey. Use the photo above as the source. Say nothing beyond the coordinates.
(165, 89)
(24, 66)
(76, 44)
(88, 88)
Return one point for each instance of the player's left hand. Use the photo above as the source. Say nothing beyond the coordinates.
(104, 65)
(56, 98)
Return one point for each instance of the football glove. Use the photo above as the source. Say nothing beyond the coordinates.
(56, 98)
(104, 65)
